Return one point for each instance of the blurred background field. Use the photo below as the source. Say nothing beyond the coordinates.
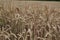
(29, 20)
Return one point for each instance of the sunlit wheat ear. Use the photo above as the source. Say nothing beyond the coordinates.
(29, 34)
(20, 36)
(54, 28)
(40, 38)
(6, 36)
(8, 27)
(4, 32)
(17, 17)
(48, 33)
(13, 34)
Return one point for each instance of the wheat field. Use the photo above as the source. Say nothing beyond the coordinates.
(29, 20)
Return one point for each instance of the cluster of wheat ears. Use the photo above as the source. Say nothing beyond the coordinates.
(30, 23)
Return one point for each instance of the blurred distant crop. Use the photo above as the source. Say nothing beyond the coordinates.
(29, 22)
